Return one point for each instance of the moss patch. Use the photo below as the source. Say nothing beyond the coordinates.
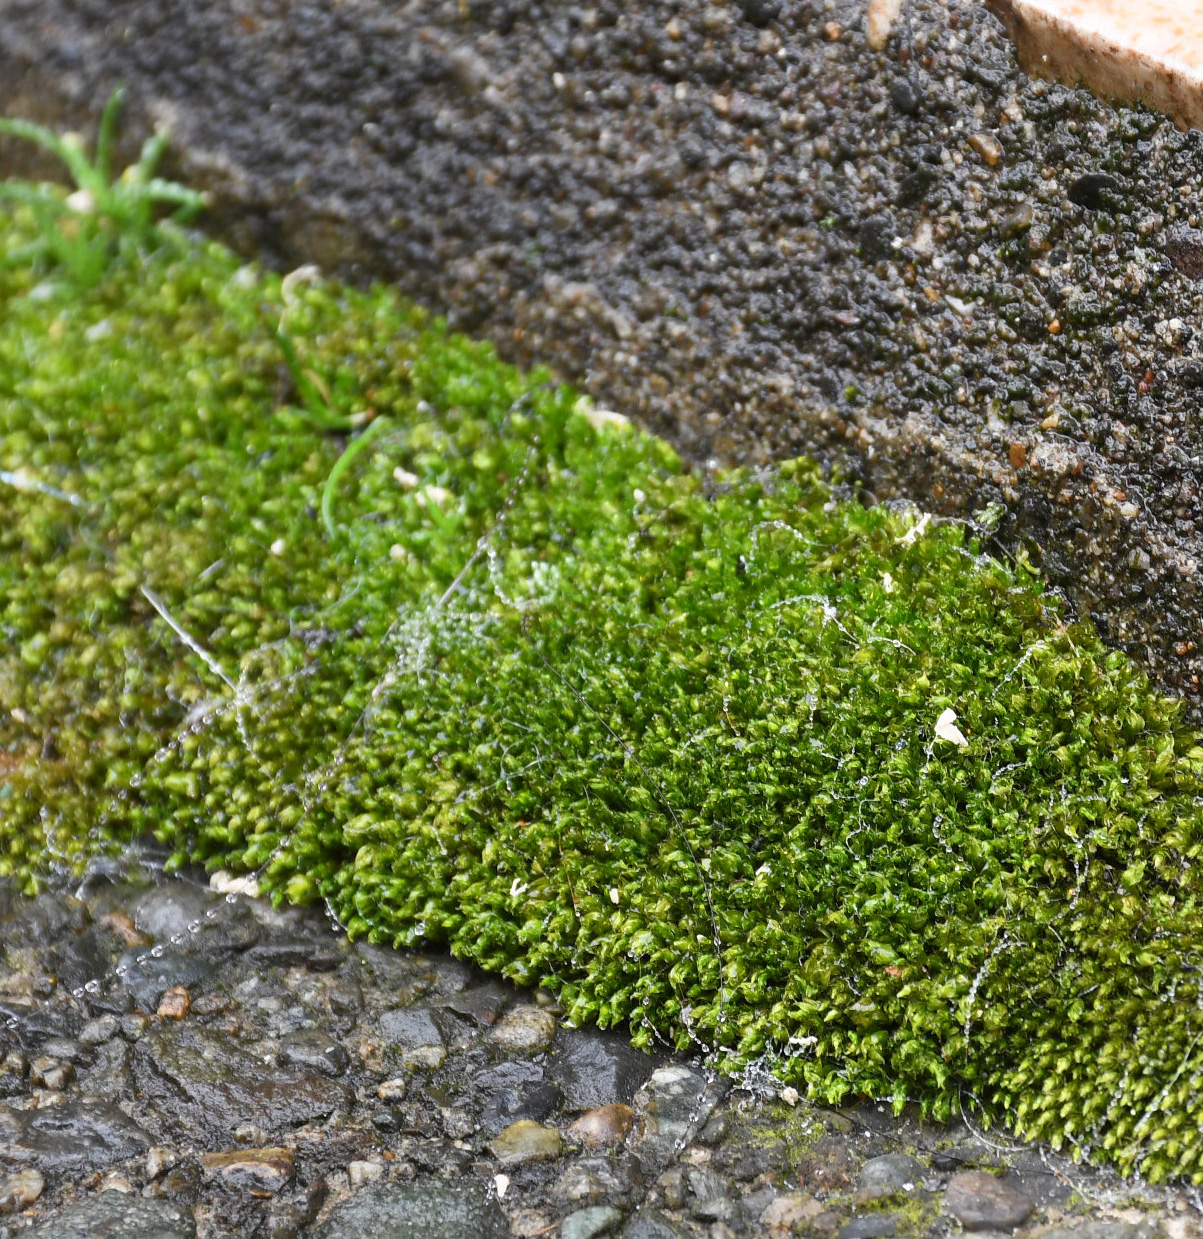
(674, 745)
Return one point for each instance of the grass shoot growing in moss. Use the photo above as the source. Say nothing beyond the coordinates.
(721, 758)
(79, 233)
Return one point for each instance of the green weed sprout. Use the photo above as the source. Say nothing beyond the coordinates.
(323, 400)
(80, 232)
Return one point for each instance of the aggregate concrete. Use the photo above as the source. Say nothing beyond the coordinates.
(738, 222)
(201, 1119)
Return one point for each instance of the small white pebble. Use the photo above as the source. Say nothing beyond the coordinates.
(789, 1095)
(947, 729)
(364, 1172)
(613, 894)
(277, 547)
(502, 1183)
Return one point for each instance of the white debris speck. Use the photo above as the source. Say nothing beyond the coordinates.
(308, 274)
(916, 531)
(405, 479)
(640, 496)
(887, 582)
(432, 494)
(789, 1095)
(947, 729)
(613, 894)
(81, 202)
(277, 547)
(597, 418)
(225, 883)
(502, 1183)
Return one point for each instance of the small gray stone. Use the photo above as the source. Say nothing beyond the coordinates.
(1090, 1228)
(875, 1226)
(314, 1050)
(114, 1215)
(596, 1181)
(890, 1175)
(708, 1191)
(103, 1028)
(979, 1201)
(70, 1139)
(585, 1223)
(594, 1069)
(411, 1028)
(417, 1211)
(650, 1224)
(675, 1103)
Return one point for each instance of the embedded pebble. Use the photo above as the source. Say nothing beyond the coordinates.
(159, 1160)
(261, 1172)
(98, 1031)
(586, 1223)
(526, 1141)
(979, 1201)
(392, 1090)
(607, 1125)
(458, 1210)
(120, 1216)
(890, 1175)
(175, 1003)
(525, 1029)
(359, 1173)
(20, 1190)
(673, 1105)
(314, 1050)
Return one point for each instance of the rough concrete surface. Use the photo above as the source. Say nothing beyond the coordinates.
(737, 222)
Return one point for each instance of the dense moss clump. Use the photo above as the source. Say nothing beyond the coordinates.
(720, 758)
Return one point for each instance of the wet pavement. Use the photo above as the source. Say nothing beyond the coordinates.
(174, 1064)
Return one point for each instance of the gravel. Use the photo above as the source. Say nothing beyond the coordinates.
(284, 1099)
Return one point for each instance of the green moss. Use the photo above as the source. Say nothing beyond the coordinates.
(667, 743)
